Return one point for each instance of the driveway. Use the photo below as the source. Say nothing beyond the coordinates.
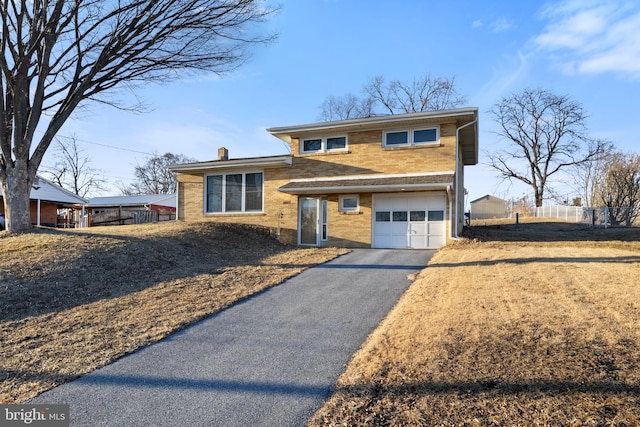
(271, 360)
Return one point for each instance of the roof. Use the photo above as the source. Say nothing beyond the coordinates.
(489, 197)
(377, 183)
(261, 162)
(461, 116)
(45, 190)
(136, 200)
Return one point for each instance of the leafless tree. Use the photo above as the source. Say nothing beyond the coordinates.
(345, 107)
(72, 169)
(545, 134)
(153, 177)
(424, 93)
(58, 55)
(618, 187)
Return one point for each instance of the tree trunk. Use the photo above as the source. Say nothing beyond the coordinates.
(16, 191)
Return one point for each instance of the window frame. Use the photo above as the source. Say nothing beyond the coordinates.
(324, 144)
(411, 137)
(344, 197)
(224, 195)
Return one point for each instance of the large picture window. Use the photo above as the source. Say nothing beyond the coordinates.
(239, 192)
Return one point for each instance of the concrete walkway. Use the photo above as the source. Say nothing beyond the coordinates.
(271, 360)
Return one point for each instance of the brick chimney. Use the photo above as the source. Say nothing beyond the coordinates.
(223, 153)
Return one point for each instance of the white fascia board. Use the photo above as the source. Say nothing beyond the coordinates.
(372, 176)
(284, 133)
(254, 162)
(393, 188)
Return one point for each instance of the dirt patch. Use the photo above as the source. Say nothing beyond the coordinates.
(534, 326)
(72, 301)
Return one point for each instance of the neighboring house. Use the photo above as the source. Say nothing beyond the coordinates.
(53, 206)
(132, 209)
(488, 207)
(392, 181)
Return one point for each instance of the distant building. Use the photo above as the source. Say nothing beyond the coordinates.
(53, 206)
(119, 210)
(488, 207)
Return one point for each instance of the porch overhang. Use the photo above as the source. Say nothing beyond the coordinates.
(377, 184)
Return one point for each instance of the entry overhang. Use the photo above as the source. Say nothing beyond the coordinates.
(377, 184)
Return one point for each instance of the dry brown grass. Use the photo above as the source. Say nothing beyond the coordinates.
(72, 301)
(535, 326)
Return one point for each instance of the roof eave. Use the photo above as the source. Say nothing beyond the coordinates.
(383, 188)
(285, 132)
(262, 162)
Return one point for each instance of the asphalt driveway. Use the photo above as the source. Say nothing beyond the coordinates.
(271, 360)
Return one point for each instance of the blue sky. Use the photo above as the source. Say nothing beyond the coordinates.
(588, 50)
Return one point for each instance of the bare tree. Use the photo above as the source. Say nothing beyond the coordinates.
(424, 93)
(153, 177)
(618, 187)
(345, 107)
(72, 169)
(57, 55)
(545, 134)
(584, 178)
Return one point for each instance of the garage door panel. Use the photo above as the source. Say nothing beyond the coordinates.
(409, 220)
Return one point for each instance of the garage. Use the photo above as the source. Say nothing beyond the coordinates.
(415, 221)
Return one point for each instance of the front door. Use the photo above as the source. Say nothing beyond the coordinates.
(309, 220)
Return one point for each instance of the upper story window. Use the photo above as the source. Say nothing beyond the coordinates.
(237, 192)
(403, 138)
(321, 145)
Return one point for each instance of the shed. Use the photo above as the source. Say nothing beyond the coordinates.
(488, 207)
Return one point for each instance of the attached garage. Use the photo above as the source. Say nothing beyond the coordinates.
(409, 220)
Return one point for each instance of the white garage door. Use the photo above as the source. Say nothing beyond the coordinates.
(409, 220)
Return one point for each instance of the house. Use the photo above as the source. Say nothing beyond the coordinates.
(132, 209)
(53, 206)
(488, 207)
(392, 181)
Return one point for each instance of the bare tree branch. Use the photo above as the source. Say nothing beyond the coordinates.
(545, 133)
(60, 55)
(396, 97)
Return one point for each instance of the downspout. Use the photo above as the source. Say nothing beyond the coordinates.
(457, 181)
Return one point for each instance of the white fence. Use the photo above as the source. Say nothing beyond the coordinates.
(616, 216)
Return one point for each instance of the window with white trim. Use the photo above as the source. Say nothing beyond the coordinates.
(237, 192)
(411, 137)
(323, 145)
(349, 203)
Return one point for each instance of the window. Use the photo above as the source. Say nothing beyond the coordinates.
(349, 203)
(383, 216)
(411, 137)
(325, 214)
(240, 192)
(436, 216)
(322, 145)
(309, 145)
(338, 143)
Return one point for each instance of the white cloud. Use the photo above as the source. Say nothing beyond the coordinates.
(593, 37)
(500, 25)
(476, 24)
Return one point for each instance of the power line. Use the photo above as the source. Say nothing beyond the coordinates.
(106, 145)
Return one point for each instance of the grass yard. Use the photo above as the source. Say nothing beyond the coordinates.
(73, 301)
(535, 325)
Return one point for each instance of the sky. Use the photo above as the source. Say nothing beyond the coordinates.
(588, 50)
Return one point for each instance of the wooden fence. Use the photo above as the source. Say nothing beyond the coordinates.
(124, 216)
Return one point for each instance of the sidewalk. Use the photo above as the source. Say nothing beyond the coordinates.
(271, 360)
